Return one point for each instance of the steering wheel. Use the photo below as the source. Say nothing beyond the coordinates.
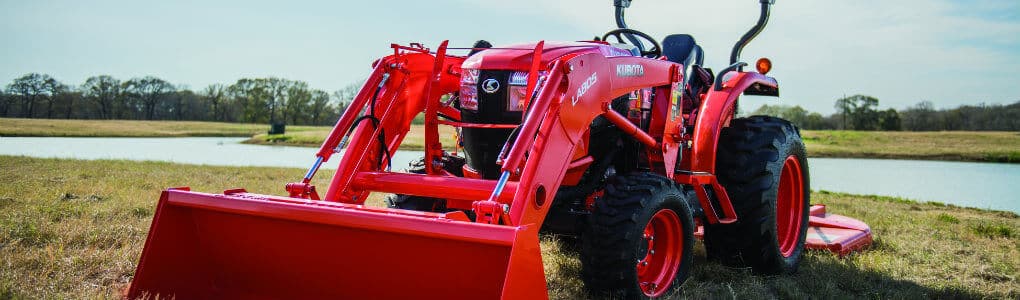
(656, 50)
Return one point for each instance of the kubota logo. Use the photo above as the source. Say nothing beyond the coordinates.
(634, 70)
(587, 84)
(490, 85)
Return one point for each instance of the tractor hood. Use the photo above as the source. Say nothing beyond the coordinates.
(519, 56)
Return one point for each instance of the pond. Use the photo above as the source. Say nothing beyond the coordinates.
(981, 185)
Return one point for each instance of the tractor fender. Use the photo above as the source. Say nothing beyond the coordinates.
(716, 111)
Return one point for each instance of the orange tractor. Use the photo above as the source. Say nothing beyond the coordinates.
(633, 147)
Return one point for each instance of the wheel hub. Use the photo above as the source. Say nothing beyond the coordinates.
(790, 206)
(661, 246)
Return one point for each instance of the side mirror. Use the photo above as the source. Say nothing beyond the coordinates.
(626, 3)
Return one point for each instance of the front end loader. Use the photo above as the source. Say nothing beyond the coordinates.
(632, 146)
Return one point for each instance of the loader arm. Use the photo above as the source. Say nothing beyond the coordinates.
(579, 89)
(380, 116)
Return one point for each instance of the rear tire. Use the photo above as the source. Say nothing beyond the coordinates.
(762, 163)
(640, 239)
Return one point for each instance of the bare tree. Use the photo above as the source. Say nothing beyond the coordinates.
(276, 90)
(299, 96)
(345, 95)
(5, 103)
(844, 107)
(182, 104)
(215, 95)
(250, 94)
(320, 106)
(104, 91)
(31, 88)
(68, 100)
(149, 91)
(54, 89)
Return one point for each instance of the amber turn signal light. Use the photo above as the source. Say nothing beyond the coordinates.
(764, 65)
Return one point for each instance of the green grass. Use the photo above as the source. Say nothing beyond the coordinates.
(946, 145)
(72, 229)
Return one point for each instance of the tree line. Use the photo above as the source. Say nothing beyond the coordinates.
(248, 100)
(278, 100)
(861, 112)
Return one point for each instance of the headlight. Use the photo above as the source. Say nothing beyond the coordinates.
(469, 89)
(518, 97)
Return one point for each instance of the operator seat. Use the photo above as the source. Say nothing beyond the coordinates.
(682, 49)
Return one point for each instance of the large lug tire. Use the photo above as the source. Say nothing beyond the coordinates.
(451, 164)
(763, 166)
(640, 237)
(416, 203)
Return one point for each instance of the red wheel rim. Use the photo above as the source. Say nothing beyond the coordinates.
(664, 246)
(790, 206)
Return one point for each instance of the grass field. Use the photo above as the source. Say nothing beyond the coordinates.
(74, 229)
(946, 145)
(950, 145)
(125, 128)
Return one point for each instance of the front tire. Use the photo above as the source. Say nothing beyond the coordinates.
(763, 165)
(451, 164)
(640, 238)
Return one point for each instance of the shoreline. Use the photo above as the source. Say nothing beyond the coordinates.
(985, 146)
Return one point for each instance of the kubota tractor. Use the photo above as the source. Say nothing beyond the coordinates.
(629, 144)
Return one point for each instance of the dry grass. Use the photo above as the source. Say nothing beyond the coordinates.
(126, 128)
(946, 145)
(74, 229)
(921, 250)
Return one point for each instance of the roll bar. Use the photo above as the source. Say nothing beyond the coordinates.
(766, 6)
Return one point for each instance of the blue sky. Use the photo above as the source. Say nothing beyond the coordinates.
(903, 52)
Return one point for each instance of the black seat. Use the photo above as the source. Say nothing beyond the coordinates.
(479, 46)
(682, 49)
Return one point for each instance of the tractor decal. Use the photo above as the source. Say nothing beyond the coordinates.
(588, 83)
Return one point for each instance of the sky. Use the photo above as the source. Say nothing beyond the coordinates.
(902, 52)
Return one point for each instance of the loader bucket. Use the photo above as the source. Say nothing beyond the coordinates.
(238, 245)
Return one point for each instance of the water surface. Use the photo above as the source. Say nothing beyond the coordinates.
(982, 185)
(221, 151)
